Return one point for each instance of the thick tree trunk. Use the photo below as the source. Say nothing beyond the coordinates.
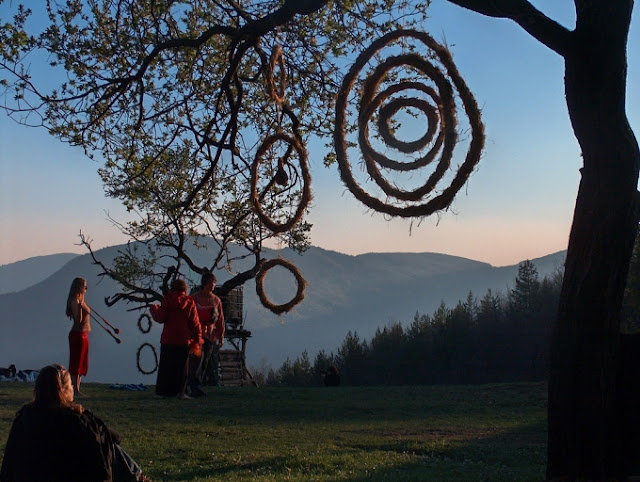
(584, 403)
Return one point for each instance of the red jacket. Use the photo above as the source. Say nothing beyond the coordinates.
(180, 317)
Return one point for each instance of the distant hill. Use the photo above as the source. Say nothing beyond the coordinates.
(22, 274)
(357, 293)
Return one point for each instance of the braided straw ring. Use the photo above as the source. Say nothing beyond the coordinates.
(306, 177)
(148, 318)
(445, 102)
(155, 358)
(449, 121)
(300, 281)
(389, 109)
(277, 93)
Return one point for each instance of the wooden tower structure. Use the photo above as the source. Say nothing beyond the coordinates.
(232, 364)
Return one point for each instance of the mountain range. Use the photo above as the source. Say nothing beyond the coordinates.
(22, 274)
(345, 293)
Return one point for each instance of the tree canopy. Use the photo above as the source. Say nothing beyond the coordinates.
(200, 111)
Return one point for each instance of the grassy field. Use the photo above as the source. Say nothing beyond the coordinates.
(436, 433)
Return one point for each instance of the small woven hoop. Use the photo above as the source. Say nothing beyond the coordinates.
(143, 316)
(300, 281)
(155, 359)
(276, 92)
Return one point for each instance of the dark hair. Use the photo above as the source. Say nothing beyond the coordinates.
(208, 277)
(77, 286)
(179, 285)
(48, 391)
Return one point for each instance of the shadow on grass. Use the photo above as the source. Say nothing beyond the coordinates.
(517, 455)
(489, 432)
(350, 404)
(495, 457)
(273, 465)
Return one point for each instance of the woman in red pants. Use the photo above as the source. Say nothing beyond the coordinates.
(80, 313)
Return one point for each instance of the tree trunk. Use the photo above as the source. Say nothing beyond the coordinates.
(584, 403)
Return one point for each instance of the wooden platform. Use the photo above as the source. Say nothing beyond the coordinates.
(232, 361)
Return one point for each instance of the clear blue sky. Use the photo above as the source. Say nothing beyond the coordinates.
(518, 205)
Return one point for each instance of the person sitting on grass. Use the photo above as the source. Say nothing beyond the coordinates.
(54, 439)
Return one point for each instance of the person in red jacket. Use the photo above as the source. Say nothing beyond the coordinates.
(179, 315)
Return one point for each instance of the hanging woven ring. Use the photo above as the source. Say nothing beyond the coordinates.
(381, 98)
(296, 144)
(276, 83)
(300, 282)
(155, 359)
(144, 316)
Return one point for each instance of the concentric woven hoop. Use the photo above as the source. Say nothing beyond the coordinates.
(381, 101)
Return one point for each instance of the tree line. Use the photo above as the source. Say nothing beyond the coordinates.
(498, 338)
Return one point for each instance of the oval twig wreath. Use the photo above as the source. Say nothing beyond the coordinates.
(294, 144)
(300, 281)
(142, 317)
(155, 359)
(382, 97)
(276, 92)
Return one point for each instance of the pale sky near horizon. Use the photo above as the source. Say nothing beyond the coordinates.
(517, 205)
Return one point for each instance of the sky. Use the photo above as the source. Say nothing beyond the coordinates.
(517, 205)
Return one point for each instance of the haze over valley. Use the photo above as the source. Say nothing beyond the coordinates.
(345, 293)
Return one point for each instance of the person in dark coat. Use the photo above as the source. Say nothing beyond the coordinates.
(331, 376)
(53, 439)
(179, 315)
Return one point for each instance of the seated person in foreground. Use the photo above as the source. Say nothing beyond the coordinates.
(53, 439)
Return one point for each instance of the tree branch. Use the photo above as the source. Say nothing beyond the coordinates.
(283, 15)
(537, 24)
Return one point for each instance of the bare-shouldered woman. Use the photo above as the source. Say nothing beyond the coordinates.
(80, 313)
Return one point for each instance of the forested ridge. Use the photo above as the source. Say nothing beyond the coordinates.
(501, 337)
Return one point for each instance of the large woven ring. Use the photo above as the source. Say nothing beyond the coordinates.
(381, 101)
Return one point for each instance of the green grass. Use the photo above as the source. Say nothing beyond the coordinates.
(436, 433)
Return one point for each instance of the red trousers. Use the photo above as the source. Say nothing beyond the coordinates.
(78, 352)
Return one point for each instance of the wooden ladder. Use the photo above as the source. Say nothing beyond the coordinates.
(232, 368)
